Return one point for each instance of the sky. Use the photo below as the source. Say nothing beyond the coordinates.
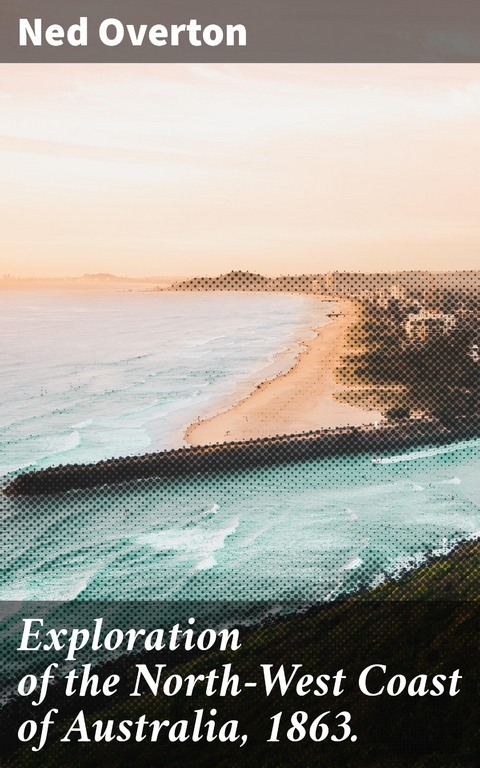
(197, 169)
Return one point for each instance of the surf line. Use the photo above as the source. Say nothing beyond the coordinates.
(250, 454)
(428, 453)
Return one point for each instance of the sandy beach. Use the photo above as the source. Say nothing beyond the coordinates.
(297, 401)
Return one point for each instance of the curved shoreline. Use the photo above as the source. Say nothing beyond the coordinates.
(246, 455)
(295, 402)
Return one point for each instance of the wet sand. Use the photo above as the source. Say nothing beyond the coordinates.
(298, 401)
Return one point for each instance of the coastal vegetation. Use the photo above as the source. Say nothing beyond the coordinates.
(426, 622)
(413, 350)
(415, 365)
(432, 375)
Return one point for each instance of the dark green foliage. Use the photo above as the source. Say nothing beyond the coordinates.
(426, 623)
(438, 373)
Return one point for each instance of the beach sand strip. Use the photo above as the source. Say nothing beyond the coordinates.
(300, 400)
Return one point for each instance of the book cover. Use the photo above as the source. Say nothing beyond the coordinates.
(239, 389)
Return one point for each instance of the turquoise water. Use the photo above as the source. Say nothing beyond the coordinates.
(90, 376)
(298, 533)
(303, 533)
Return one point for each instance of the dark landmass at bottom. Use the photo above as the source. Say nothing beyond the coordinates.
(425, 623)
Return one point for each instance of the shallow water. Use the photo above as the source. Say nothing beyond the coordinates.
(91, 376)
(298, 533)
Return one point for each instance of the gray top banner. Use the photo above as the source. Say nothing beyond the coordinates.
(240, 31)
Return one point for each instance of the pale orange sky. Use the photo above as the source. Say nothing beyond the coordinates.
(199, 169)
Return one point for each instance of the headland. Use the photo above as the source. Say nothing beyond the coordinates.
(248, 454)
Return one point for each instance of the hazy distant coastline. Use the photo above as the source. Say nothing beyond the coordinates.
(413, 284)
(411, 310)
(102, 281)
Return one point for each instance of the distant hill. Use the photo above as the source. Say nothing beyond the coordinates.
(250, 281)
(105, 276)
(416, 284)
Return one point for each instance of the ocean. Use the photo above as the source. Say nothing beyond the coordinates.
(87, 377)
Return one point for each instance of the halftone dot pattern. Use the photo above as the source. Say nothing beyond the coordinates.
(412, 353)
(52, 519)
(408, 637)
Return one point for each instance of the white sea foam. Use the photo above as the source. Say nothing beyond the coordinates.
(51, 446)
(154, 369)
(199, 541)
(453, 481)
(407, 562)
(300, 538)
(57, 588)
(4, 470)
(428, 453)
(212, 511)
(296, 534)
(202, 342)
